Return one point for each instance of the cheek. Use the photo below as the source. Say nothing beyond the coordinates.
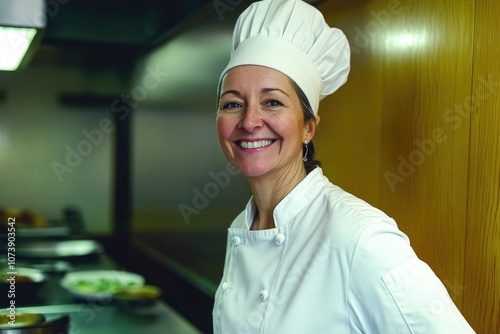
(225, 128)
(292, 129)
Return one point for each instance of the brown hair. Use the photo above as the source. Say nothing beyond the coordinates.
(309, 116)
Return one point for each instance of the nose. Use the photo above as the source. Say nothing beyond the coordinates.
(251, 119)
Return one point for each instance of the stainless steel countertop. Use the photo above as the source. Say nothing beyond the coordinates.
(95, 317)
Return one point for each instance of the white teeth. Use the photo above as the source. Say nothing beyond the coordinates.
(255, 144)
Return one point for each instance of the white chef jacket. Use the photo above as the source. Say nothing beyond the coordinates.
(332, 264)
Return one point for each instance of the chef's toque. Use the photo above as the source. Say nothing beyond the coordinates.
(292, 37)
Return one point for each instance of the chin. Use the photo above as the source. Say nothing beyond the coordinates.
(252, 171)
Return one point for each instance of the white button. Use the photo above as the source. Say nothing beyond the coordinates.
(236, 241)
(225, 286)
(263, 295)
(280, 239)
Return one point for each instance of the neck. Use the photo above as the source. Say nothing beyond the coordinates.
(269, 190)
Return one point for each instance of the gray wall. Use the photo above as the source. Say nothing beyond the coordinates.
(37, 133)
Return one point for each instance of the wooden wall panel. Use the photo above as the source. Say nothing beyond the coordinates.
(427, 71)
(482, 277)
(411, 64)
(348, 142)
(416, 131)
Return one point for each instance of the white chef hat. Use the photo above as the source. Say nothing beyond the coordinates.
(292, 37)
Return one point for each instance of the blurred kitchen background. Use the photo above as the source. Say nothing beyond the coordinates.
(112, 117)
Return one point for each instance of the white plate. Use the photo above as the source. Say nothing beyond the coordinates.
(58, 249)
(34, 275)
(99, 284)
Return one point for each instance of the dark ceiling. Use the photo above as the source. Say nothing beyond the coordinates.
(124, 23)
(120, 23)
(97, 32)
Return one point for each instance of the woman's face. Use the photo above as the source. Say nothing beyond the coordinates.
(260, 122)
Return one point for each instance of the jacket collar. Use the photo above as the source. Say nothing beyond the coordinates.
(300, 197)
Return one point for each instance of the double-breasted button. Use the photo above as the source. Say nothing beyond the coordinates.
(236, 241)
(263, 295)
(280, 239)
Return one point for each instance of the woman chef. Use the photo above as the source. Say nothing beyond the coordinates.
(306, 256)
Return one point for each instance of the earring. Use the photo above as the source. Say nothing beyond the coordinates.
(307, 150)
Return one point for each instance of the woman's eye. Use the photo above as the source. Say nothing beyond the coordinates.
(274, 103)
(231, 105)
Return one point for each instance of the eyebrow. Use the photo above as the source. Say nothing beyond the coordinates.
(267, 90)
(264, 90)
(234, 92)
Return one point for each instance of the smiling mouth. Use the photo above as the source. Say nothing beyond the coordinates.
(254, 144)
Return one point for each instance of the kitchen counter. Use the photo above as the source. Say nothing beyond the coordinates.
(90, 318)
(102, 316)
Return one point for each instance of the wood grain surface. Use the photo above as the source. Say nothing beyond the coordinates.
(482, 261)
(416, 132)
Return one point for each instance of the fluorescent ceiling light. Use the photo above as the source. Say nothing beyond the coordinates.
(14, 42)
(20, 21)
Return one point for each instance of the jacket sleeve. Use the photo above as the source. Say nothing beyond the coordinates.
(392, 291)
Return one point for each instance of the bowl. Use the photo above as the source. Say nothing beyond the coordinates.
(24, 286)
(99, 284)
(19, 320)
(29, 323)
(137, 298)
(22, 275)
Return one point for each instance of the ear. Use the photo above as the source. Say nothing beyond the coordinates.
(310, 128)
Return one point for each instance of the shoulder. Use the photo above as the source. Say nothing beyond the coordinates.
(372, 238)
(349, 206)
(349, 220)
(342, 205)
